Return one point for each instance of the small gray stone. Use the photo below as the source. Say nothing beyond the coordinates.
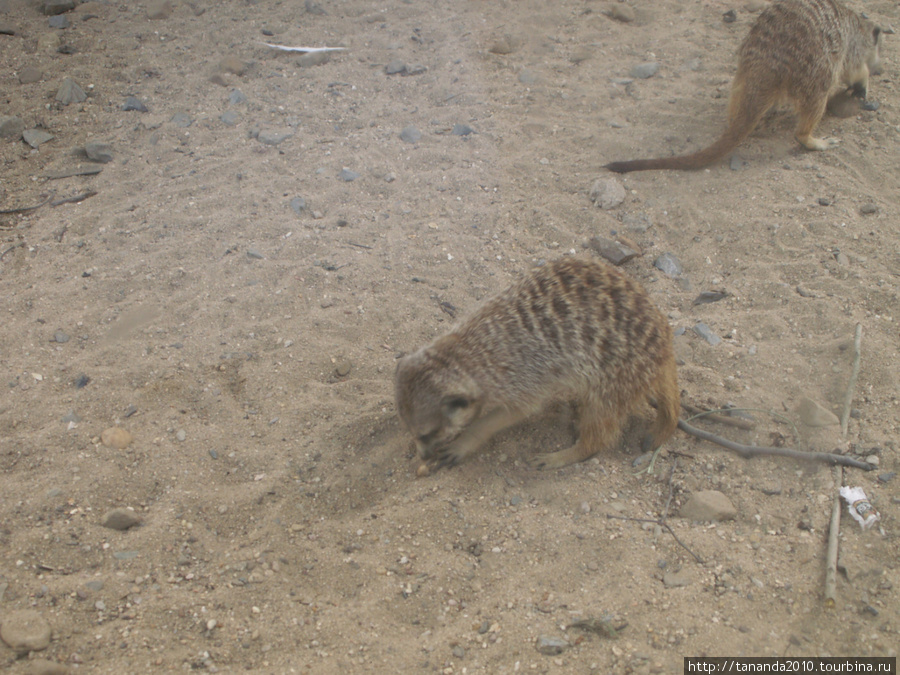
(30, 75)
(60, 337)
(613, 251)
(59, 21)
(95, 585)
(11, 127)
(414, 69)
(527, 77)
(274, 136)
(678, 579)
(886, 477)
(505, 44)
(868, 209)
(622, 12)
(157, 10)
(342, 367)
(69, 92)
(298, 204)
(36, 137)
(461, 130)
(395, 67)
(669, 265)
(515, 500)
(236, 97)
(708, 297)
(771, 489)
(313, 59)
(7, 29)
(550, 646)
(736, 163)
(314, 8)
(98, 151)
(45, 667)
(458, 652)
(25, 631)
(643, 71)
(125, 555)
(607, 193)
(134, 103)
(71, 416)
(411, 134)
(813, 414)
(53, 7)
(230, 117)
(708, 505)
(707, 334)
(348, 175)
(182, 120)
(253, 254)
(120, 519)
(181, 435)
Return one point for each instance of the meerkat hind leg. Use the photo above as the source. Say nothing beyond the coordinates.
(811, 113)
(598, 427)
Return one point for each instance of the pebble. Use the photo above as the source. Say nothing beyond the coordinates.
(134, 103)
(678, 579)
(30, 75)
(622, 12)
(423, 470)
(395, 67)
(868, 209)
(348, 175)
(59, 21)
(342, 367)
(100, 606)
(736, 163)
(707, 297)
(274, 136)
(458, 652)
(505, 45)
(874, 460)
(707, 334)
(871, 106)
(298, 204)
(95, 585)
(181, 435)
(886, 477)
(181, 120)
(25, 630)
(550, 646)
(669, 265)
(611, 250)
(730, 16)
(157, 10)
(253, 254)
(69, 92)
(607, 193)
(125, 555)
(236, 97)
(81, 381)
(230, 117)
(461, 130)
(232, 64)
(527, 77)
(708, 505)
(313, 59)
(45, 667)
(60, 337)
(771, 489)
(98, 151)
(813, 414)
(120, 519)
(116, 437)
(410, 135)
(36, 137)
(643, 71)
(11, 127)
(211, 624)
(54, 7)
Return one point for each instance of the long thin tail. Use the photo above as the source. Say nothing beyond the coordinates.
(745, 114)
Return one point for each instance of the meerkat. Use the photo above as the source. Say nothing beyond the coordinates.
(802, 51)
(574, 330)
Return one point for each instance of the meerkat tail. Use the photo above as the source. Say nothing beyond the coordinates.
(745, 112)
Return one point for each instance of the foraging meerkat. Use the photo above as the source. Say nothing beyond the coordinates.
(572, 329)
(803, 51)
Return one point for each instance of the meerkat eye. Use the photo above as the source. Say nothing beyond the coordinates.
(457, 403)
(425, 439)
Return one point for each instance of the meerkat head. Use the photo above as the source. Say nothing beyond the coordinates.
(436, 400)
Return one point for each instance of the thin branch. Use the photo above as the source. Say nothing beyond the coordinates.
(756, 450)
(747, 425)
(851, 385)
(25, 209)
(661, 523)
(833, 531)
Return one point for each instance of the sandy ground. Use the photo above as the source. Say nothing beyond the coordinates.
(237, 305)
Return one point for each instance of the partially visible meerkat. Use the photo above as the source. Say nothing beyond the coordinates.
(803, 51)
(573, 330)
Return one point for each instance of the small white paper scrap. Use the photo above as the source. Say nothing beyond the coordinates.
(860, 508)
(303, 50)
